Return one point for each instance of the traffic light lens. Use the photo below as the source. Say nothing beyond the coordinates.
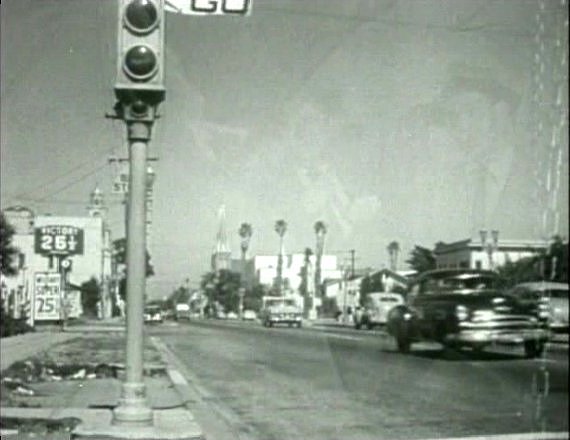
(141, 15)
(140, 62)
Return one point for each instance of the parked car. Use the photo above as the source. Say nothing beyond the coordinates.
(249, 315)
(464, 308)
(377, 305)
(232, 315)
(153, 314)
(550, 300)
(280, 310)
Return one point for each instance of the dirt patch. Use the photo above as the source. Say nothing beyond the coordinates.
(86, 357)
(106, 348)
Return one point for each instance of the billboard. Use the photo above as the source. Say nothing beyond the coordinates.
(58, 240)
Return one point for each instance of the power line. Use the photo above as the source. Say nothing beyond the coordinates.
(70, 184)
(62, 202)
(67, 173)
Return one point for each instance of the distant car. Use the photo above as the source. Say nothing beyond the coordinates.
(168, 313)
(279, 310)
(153, 314)
(249, 315)
(377, 305)
(464, 308)
(182, 311)
(550, 300)
(232, 315)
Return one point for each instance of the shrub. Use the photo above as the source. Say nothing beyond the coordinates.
(10, 326)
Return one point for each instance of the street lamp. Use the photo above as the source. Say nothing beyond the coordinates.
(490, 244)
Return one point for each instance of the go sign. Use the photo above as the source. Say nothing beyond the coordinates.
(58, 240)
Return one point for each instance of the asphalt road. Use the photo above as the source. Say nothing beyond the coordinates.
(338, 383)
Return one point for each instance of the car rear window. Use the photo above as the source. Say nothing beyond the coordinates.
(467, 282)
(556, 293)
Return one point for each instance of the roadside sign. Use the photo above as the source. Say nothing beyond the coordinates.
(208, 7)
(47, 296)
(58, 240)
(65, 264)
(121, 183)
(73, 304)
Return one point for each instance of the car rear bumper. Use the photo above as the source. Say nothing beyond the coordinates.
(502, 336)
(284, 320)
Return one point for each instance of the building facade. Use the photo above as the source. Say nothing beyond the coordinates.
(474, 254)
(264, 269)
(91, 257)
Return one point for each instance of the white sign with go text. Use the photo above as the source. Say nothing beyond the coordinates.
(208, 7)
(47, 296)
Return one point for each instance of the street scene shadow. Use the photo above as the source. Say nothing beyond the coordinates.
(466, 355)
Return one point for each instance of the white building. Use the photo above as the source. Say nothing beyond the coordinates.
(475, 254)
(265, 268)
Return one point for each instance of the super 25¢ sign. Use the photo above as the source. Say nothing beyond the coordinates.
(58, 240)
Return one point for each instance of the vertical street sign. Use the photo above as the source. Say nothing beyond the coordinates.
(121, 182)
(47, 296)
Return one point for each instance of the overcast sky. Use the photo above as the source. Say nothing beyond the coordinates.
(388, 120)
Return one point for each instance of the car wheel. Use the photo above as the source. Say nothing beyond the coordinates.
(403, 341)
(533, 349)
(478, 348)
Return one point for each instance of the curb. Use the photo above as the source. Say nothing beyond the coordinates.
(217, 420)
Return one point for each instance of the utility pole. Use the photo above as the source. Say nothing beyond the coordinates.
(352, 259)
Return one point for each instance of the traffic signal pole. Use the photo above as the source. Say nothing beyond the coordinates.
(133, 407)
(139, 89)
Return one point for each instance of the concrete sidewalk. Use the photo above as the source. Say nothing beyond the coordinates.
(92, 400)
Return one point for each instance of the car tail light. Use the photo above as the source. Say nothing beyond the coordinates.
(462, 313)
(543, 308)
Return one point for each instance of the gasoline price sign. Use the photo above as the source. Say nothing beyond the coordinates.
(58, 240)
(47, 294)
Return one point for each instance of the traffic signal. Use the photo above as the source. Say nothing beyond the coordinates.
(140, 61)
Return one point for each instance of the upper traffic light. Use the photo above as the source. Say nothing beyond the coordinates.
(140, 42)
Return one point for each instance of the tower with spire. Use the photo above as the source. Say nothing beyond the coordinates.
(221, 255)
(96, 207)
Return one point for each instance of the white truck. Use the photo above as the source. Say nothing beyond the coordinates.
(182, 311)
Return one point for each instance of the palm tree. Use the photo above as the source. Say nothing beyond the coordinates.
(320, 231)
(245, 231)
(280, 228)
(393, 252)
(306, 290)
(421, 259)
